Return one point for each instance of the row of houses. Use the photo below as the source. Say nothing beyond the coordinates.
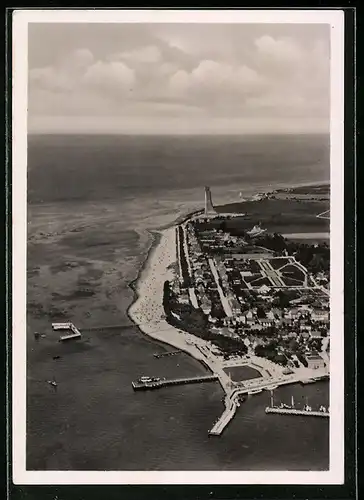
(307, 318)
(301, 317)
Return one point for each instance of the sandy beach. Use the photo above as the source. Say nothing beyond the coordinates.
(147, 310)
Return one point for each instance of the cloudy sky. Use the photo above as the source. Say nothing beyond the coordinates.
(178, 78)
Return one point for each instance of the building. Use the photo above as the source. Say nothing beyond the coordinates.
(235, 306)
(320, 315)
(292, 314)
(315, 334)
(264, 289)
(266, 322)
(314, 361)
(270, 315)
(305, 327)
(183, 298)
(206, 305)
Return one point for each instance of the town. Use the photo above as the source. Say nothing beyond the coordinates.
(250, 292)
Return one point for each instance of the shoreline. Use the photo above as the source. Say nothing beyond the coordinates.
(153, 325)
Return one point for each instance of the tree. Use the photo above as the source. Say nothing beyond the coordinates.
(282, 300)
(260, 312)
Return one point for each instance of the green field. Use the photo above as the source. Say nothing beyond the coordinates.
(281, 216)
(239, 373)
(313, 189)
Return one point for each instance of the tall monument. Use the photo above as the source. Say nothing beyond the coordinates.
(209, 207)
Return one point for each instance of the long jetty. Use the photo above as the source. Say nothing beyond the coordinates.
(294, 411)
(228, 414)
(157, 384)
(231, 401)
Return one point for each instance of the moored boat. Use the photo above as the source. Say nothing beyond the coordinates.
(254, 391)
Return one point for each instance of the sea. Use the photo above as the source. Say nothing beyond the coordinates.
(93, 203)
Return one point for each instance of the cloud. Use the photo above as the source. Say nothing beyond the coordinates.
(266, 76)
(112, 75)
(214, 79)
(281, 50)
(81, 79)
(65, 74)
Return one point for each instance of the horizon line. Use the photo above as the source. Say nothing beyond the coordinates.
(189, 134)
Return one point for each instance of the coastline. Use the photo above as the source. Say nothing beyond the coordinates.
(165, 235)
(146, 311)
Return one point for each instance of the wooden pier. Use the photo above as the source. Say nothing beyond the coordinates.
(226, 417)
(163, 382)
(294, 411)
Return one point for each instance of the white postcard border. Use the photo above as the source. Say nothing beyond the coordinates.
(21, 18)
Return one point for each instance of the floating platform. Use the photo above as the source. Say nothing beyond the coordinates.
(163, 382)
(70, 336)
(293, 411)
(73, 332)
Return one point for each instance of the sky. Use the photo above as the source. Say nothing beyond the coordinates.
(178, 78)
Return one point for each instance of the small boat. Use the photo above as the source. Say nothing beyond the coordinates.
(285, 406)
(148, 380)
(53, 383)
(254, 391)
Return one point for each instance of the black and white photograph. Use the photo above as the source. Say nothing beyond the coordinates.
(178, 247)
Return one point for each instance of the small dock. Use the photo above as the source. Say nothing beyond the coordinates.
(72, 331)
(294, 411)
(165, 354)
(163, 382)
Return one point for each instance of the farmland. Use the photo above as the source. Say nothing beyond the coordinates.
(278, 216)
